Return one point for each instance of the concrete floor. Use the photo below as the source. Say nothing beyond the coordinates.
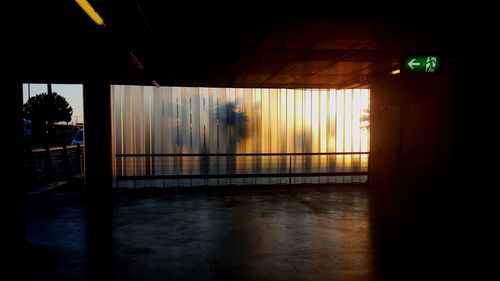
(305, 234)
(300, 233)
(56, 238)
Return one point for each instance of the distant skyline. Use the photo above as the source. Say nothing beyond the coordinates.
(73, 93)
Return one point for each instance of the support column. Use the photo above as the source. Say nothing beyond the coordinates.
(13, 205)
(98, 178)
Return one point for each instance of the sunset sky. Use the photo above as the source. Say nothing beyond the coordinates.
(72, 92)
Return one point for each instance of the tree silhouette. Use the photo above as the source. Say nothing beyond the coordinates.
(237, 130)
(49, 108)
(44, 110)
(236, 119)
(365, 119)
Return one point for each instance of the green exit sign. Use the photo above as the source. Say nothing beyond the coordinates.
(421, 64)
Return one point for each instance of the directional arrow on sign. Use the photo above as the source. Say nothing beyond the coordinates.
(412, 63)
(429, 64)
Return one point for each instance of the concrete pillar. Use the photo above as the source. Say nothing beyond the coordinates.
(411, 136)
(13, 232)
(98, 178)
(98, 165)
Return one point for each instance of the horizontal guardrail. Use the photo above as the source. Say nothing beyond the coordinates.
(45, 165)
(208, 166)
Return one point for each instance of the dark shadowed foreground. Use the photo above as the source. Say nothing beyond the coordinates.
(272, 233)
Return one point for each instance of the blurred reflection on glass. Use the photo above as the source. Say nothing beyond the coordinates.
(181, 120)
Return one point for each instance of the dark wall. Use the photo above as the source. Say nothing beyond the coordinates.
(13, 186)
(411, 135)
(430, 177)
(410, 170)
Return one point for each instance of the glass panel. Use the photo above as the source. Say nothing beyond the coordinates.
(150, 124)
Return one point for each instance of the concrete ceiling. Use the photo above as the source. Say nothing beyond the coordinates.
(320, 47)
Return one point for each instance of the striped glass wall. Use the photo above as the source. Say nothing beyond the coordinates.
(186, 120)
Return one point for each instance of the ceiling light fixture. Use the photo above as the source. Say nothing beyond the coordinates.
(87, 8)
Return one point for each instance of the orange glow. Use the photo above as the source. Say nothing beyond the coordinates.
(172, 120)
(340, 124)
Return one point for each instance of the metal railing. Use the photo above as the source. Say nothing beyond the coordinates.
(240, 168)
(44, 165)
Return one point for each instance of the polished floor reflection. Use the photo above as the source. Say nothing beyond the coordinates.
(309, 232)
(255, 234)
